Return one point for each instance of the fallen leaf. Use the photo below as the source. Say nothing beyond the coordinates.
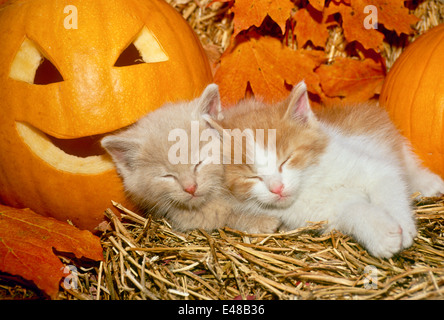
(391, 13)
(27, 241)
(268, 66)
(249, 13)
(354, 80)
(310, 27)
(354, 29)
(362, 20)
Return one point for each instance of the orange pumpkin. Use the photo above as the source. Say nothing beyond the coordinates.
(413, 94)
(73, 71)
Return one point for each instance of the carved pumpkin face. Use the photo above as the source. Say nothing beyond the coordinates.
(62, 89)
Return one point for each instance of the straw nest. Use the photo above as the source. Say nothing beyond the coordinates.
(145, 259)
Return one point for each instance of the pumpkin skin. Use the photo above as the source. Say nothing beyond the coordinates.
(413, 94)
(93, 99)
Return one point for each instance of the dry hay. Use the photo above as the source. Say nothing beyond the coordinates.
(145, 259)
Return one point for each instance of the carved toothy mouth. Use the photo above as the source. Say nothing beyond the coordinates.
(80, 156)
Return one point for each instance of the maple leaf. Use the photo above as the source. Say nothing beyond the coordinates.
(27, 241)
(357, 19)
(391, 13)
(354, 80)
(249, 13)
(268, 67)
(310, 27)
(354, 29)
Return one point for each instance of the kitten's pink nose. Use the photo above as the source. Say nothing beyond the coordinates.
(277, 188)
(191, 189)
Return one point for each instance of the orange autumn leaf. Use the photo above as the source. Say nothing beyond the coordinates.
(310, 27)
(27, 241)
(354, 80)
(391, 13)
(362, 16)
(354, 29)
(249, 13)
(267, 68)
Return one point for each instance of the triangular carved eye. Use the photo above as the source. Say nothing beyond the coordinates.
(31, 66)
(144, 49)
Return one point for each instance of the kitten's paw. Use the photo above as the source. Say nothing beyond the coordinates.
(406, 220)
(390, 238)
(263, 224)
(409, 232)
(382, 233)
(429, 184)
(386, 241)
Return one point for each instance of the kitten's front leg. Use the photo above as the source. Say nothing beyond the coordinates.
(218, 213)
(211, 216)
(253, 223)
(391, 196)
(374, 228)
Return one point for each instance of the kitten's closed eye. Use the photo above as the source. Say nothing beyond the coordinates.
(254, 178)
(198, 166)
(283, 163)
(169, 176)
(250, 173)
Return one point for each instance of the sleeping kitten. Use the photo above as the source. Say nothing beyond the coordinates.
(346, 165)
(189, 194)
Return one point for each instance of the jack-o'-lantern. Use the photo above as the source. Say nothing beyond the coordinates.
(72, 72)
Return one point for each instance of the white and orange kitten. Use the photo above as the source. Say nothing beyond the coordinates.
(190, 194)
(346, 165)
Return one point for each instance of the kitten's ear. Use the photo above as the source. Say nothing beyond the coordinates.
(122, 151)
(209, 101)
(213, 124)
(210, 107)
(298, 104)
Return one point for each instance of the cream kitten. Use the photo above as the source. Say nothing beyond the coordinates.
(348, 165)
(190, 194)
